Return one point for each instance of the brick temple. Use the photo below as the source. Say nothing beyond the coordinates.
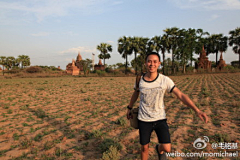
(203, 62)
(221, 63)
(75, 67)
(99, 66)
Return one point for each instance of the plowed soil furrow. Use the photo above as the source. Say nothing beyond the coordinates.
(235, 80)
(221, 87)
(77, 117)
(231, 86)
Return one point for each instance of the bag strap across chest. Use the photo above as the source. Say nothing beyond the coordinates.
(138, 78)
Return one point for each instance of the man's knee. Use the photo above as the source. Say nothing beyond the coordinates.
(166, 147)
(145, 148)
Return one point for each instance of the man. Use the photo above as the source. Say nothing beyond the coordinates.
(151, 116)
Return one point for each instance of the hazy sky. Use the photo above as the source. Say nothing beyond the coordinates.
(52, 32)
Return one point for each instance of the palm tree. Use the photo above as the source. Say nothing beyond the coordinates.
(104, 49)
(197, 41)
(173, 34)
(137, 62)
(156, 43)
(168, 63)
(192, 37)
(3, 62)
(189, 41)
(234, 40)
(87, 64)
(135, 43)
(182, 52)
(125, 48)
(223, 44)
(165, 46)
(10, 62)
(161, 43)
(24, 60)
(217, 42)
(158, 46)
(145, 47)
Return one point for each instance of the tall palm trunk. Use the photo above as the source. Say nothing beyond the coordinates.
(142, 66)
(216, 59)
(4, 69)
(184, 68)
(126, 66)
(163, 62)
(104, 59)
(173, 65)
(135, 55)
(184, 65)
(191, 58)
(238, 60)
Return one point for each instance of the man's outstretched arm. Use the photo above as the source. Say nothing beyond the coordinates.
(187, 101)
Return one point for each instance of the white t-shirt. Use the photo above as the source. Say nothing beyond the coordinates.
(151, 106)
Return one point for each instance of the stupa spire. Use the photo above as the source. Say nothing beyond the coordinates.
(100, 62)
(79, 57)
(221, 57)
(203, 52)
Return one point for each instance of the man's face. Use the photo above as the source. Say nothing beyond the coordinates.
(152, 63)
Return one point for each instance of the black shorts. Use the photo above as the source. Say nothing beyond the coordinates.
(160, 127)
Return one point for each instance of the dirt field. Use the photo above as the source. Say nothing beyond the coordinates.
(80, 118)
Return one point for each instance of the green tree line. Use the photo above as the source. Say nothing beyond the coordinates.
(182, 43)
(10, 62)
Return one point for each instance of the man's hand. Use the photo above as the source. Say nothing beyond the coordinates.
(129, 115)
(202, 116)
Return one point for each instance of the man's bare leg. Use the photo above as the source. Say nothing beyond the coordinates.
(164, 147)
(144, 152)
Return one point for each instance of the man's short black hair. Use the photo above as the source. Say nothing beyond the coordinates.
(152, 53)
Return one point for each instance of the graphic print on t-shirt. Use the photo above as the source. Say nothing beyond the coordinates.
(151, 96)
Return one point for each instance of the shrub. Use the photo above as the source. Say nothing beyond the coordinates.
(123, 70)
(97, 133)
(40, 113)
(230, 68)
(60, 152)
(190, 69)
(222, 137)
(34, 69)
(205, 92)
(12, 71)
(200, 70)
(94, 71)
(50, 68)
(107, 143)
(100, 73)
(111, 154)
(38, 137)
(121, 121)
(25, 143)
(15, 136)
(109, 70)
(9, 111)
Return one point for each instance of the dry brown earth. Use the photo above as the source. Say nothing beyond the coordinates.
(74, 117)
